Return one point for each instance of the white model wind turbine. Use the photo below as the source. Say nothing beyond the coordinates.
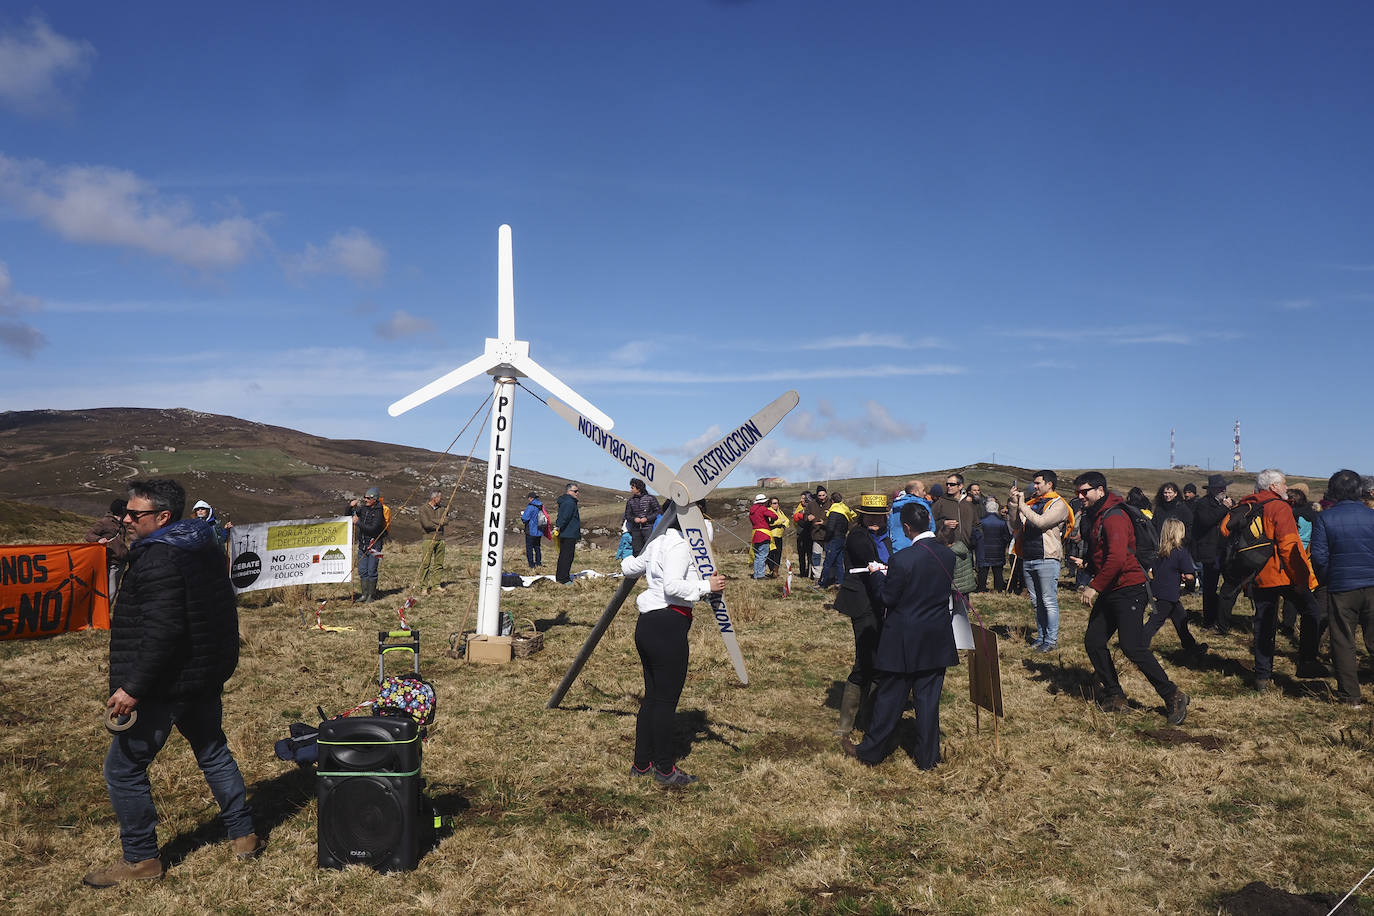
(505, 359)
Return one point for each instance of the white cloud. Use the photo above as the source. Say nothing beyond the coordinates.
(1297, 305)
(108, 206)
(352, 253)
(16, 335)
(632, 352)
(874, 426)
(36, 64)
(403, 324)
(768, 459)
(869, 339)
(790, 374)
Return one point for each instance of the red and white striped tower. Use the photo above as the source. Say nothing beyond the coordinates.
(1236, 464)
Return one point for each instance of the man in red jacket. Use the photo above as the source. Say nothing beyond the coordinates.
(1117, 597)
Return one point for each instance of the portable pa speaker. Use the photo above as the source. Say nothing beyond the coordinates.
(369, 792)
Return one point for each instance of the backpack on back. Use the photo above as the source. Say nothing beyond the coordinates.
(1247, 547)
(1146, 537)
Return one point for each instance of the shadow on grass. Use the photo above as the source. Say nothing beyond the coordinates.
(693, 725)
(274, 801)
(1076, 681)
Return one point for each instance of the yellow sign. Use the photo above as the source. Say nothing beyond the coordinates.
(287, 537)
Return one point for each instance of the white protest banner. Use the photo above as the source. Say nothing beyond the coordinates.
(273, 554)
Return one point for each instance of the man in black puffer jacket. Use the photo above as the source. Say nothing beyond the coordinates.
(173, 644)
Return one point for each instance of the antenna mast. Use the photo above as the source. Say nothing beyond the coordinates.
(1236, 464)
(1171, 447)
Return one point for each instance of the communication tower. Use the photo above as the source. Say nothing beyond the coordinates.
(1236, 464)
(1171, 447)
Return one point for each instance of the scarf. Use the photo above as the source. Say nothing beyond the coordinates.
(1038, 506)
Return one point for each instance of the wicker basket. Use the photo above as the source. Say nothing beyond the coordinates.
(526, 642)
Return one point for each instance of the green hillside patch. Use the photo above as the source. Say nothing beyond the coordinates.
(250, 461)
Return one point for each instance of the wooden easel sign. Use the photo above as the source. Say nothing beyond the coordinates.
(985, 680)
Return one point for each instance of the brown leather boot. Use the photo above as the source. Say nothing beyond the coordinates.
(248, 847)
(122, 871)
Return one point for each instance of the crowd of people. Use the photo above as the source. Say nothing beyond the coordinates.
(1310, 575)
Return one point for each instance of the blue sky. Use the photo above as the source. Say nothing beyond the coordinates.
(1045, 233)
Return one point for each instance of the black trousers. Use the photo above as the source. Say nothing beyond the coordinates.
(1211, 580)
(866, 632)
(1172, 611)
(638, 538)
(1122, 611)
(804, 553)
(893, 689)
(998, 583)
(661, 638)
(566, 548)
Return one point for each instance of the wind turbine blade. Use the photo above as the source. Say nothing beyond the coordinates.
(640, 463)
(505, 285)
(470, 369)
(556, 387)
(699, 543)
(704, 473)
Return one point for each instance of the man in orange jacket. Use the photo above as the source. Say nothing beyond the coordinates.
(1288, 574)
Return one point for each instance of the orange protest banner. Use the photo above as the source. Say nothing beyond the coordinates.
(46, 589)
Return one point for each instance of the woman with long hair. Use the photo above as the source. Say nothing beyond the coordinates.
(1169, 503)
(1171, 568)
(672, 586)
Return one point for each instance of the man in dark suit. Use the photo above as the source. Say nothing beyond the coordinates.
(916, 644)
(860, 601)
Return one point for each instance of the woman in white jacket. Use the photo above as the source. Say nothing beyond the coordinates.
(673, 585)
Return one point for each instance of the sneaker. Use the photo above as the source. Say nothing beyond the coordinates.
(636, 771)
(122, 871)
(1178, 708)
(1047, 647)
(673, 779)
(1114, 703)
(247, 847)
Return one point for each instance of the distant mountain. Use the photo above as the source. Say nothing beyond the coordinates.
(79, 460)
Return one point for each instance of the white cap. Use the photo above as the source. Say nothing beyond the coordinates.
(202, 504)
(760, 499)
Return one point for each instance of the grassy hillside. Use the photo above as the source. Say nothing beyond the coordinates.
(1063, 809)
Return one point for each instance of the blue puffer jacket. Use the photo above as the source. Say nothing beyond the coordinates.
(894, 521)
(533, 517)
(1343, 546)
(174, 634)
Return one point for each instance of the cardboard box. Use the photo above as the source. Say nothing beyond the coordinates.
(489, 650)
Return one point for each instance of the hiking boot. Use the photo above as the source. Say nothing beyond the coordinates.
(1263, 684)
(674, 779)
(122, 871)
(1178, 708)
(1198, 650)
(1115, 702)
(636, 771)
(850, 748)
(247, 847)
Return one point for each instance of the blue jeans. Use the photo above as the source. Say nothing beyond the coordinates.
(760, 559)
(1042, 582)
(534, 551)
(132, 751)
(367, 563)
(832, 573)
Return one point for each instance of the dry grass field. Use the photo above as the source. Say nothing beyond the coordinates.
(1080, 812)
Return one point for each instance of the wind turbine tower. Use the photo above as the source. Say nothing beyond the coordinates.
(505, 359)
(1236, 464)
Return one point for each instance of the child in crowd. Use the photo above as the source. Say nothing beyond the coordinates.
(1172, 568)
